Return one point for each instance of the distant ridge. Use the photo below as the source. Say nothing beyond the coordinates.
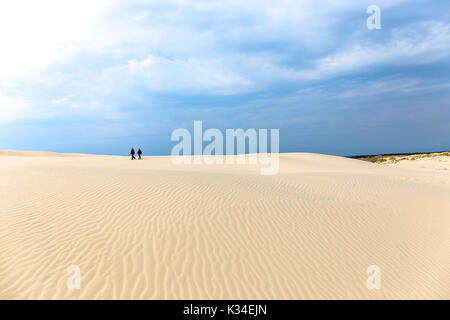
(394, 154)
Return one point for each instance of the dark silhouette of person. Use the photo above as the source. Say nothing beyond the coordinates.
(132, 154)
(139, 153)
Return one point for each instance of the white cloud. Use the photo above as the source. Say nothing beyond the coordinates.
(59, 101)
(12, 109)
(97, 48)
(381, 87)
(162, 74)
(417, 43)
(395, 85)
(49, 31)
(34, 34)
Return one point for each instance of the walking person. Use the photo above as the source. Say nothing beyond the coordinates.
(132, 154)
(139, 153)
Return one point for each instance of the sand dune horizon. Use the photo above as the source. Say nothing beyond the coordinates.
(154, 230)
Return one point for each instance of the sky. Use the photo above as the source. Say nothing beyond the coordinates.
(104, 76)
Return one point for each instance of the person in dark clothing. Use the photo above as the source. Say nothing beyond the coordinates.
(132, 154)
(139, 153)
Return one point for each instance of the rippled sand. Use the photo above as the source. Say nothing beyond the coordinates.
(153, 230)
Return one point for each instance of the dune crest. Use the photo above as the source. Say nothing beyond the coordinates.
(14, 153)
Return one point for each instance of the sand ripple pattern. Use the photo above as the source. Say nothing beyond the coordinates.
(153, 230)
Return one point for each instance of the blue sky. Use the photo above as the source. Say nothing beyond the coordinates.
(102, 76)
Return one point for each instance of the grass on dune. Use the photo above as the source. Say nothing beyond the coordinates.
(399, 157)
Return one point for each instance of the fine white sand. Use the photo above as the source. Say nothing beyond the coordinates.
(153, 230)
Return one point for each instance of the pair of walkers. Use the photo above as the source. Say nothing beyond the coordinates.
(132, 153)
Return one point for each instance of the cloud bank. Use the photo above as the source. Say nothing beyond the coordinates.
(135, 70)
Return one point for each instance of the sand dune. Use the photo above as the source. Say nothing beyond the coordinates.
(152, 230)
